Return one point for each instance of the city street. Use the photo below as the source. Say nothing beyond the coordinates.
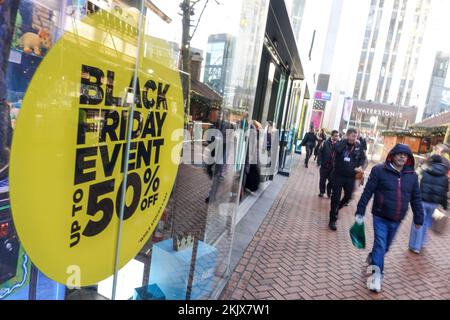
(295, 256)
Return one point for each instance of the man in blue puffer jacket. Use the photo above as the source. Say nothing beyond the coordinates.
(394, 185)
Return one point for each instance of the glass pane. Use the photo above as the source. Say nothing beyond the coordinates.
(68, 74)
(289, 129)
(187, 255)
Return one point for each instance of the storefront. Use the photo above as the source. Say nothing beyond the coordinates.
(105, 192)
(280, 88)
(372, 118)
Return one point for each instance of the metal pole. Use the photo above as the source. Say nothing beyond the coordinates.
(127, 150)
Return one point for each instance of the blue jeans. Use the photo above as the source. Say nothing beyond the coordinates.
(418, 237)
(384, 233)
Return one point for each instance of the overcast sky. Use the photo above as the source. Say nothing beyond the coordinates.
(217, 18)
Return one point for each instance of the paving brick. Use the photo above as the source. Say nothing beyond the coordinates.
(295, 256)
(292, 296)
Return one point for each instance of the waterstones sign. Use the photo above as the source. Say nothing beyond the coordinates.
(379, 112)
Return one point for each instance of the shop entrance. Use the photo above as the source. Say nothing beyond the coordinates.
(267, 116)
(271, 91)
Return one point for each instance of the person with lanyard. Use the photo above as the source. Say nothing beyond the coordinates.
(348, 161)
(325, 161)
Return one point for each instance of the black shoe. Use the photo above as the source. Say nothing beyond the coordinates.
(321, 195)
(329, 195)
(332, 225)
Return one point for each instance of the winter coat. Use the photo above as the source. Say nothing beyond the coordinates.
(321, 138)
(434, 183)
(309, 141)
(325, 157)
(344, 150)
(363, 143)
(393, 191)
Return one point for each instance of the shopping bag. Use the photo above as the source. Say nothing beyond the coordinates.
(440, 222)
(358, 235)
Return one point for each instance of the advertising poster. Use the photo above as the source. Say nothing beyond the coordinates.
(316, 118)
(347, 112)
(84, 102)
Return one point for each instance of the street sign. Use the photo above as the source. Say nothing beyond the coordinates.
(323, 96)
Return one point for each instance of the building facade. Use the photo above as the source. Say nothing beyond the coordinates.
(438, 99)
(387, 60)
(218, 61)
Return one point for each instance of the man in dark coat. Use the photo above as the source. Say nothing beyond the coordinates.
(309, 142)
(349, 160)
(434, 188)
(325, 161)
(394, 185)
(363, 142)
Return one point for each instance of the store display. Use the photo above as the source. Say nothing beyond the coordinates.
(34, 29)
(32, 42)
(9, 244)
(67, 78)
(170, 270)
(150, 292)
(47, 289)
(100, 79)
(14, 270)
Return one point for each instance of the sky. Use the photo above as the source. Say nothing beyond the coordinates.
(217, 18)
(223, 18)
(444, 26)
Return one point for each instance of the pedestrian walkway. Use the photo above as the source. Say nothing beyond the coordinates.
(295, 256)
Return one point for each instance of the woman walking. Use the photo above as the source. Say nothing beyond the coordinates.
(434, 188)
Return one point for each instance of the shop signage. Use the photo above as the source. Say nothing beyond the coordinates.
(379, 112)
(322, 96)
(70, 144)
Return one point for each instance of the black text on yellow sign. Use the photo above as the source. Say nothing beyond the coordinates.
(70, 149)
(111, 126)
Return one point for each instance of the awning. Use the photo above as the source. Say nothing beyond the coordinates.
(439, 120)
(280, 33)
(205, 91)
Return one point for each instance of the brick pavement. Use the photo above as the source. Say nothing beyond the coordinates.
(295, 256)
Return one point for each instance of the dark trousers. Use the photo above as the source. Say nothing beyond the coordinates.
(325, 174)
(309, 152)
(339, 183)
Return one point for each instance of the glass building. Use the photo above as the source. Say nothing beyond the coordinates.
(390, 57)
(438, 99)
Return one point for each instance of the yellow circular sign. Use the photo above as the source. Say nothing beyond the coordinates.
(70, 144)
